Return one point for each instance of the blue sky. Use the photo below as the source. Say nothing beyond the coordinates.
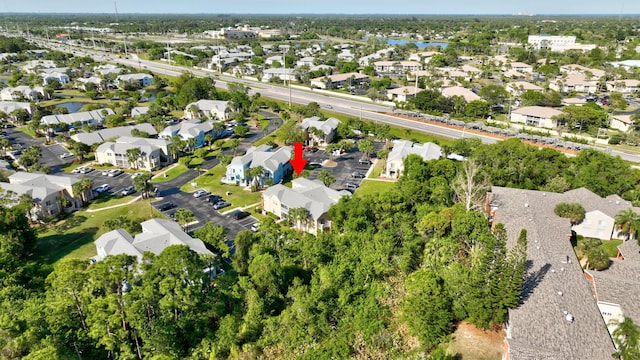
(327, 6)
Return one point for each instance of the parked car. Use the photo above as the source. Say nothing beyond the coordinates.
(84, 170)
(103, 188)
(135, 175)
(238, 215)
(165, 206)
(212, 199)
(128, 190)
(66, 155)
(115, 172)
(221, 205)
(77, 170)
(105, 172)
(255, 227)
(351, 185)
(200, 193)
(358, 175)
(364, 162)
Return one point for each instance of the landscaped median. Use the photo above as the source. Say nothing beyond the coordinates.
(211, 180)
(170, 174)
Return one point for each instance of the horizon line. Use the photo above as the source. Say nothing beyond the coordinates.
(523, 14)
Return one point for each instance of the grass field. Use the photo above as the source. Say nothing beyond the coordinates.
(369, 187)
(611, 247)
(105, 201)
(74, 236)
(170, 174)
(377, 169)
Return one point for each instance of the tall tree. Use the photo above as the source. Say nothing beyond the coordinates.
(133, 155)
(184, 217)
(470, 186)
(326, 177)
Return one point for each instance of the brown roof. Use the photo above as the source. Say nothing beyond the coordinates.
(538, 111)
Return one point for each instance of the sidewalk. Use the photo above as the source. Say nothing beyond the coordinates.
(116, 206)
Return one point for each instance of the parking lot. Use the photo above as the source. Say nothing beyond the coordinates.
(50, 153)
(117, 183)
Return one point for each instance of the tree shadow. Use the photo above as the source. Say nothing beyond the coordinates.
(50, 249)
(70, 223)
(532, 279)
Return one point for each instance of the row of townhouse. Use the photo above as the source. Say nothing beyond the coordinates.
(153, 153)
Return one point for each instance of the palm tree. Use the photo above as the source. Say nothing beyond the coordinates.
(234, 143)
(326, 178)
(209, 140)
(80, 189)
(366, 146)
(317, 135)
(627, 337)
(184, 217)
(299, 216)
(133, 155)
(191, 143)
(628, 223)
(255, 174)
(195, 111)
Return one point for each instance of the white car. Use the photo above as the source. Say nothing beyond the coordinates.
(200, 193)
(103, 188)
(66, 155)
(135, 175)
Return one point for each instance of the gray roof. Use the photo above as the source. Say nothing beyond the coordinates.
(309, 194)
(37, 185)
(9, 106)
(327, 126)
(403, 148)
(129, 77)
(187, 129)
(112, 133)
(84, 116)
(157, 235)
(124, 143)
(263, 156)
(139, 110)
(538, 328)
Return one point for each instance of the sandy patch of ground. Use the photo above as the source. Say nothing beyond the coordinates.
(472, 343)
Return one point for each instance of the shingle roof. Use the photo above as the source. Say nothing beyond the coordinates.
(538, 328)
(309, 194)
(538, 111)
(70, 119)
(403, 148)
(327, 126)
(111, 133)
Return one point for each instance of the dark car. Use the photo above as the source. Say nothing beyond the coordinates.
(238, 215)
(212, 199)
(166, 206)
(351, 185)
(220, 205)
(128, 191)
(358, 175)
(364, 162)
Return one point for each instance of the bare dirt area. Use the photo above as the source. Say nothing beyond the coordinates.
(471, 343)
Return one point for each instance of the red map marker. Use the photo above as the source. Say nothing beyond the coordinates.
(298, 162)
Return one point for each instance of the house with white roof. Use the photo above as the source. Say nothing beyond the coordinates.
(538, 116)
(305, 61)
(327, 127)
(275, 165)
(311, 195)
(33, 65)
(188, 129)
(403, 93)
(137, 80)
(396, 67)
(625, 86)
(154, 153)
(621, 122)
(92, 118)
(519, 67)
(60, 77)
(15, 93)
(139, 111)
(96, 81)
(108, 69)
(157, 235)
(47, 192)
(8, 107)
(467, 94)
(210, 109)
(579, 69)
(339, 80)
(517, 88)
(402, 149)
(102, 135)
(574, 82)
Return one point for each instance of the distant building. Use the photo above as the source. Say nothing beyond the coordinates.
(275, 165)
(339, 80)
(102, 135)
(138, 80)
(402, 149)
(92, 118)
(209, 109)
(154, 153)
(557, 43)
(328, 128)
(537, 116)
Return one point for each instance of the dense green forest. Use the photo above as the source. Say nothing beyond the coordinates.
(399, 271)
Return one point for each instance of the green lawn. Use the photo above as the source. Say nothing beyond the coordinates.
(418, 137)
(170, 174)
(106, 200)
(74, 236)
(26, 130)
(377, 169)
(368, 187)
(211, 181)
(611, 247)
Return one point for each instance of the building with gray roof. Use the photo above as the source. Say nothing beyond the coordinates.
(311, 195)
(100, 136)
(558, 317)
(189, 129)
(91, 118)
(9, 106)
(154, 153)
(157, 235)
(275, 165)
(210, 109)
(328, 128)
(402, 149)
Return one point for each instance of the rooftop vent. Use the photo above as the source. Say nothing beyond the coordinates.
(526, 204)
(569, 317)
(560, 293)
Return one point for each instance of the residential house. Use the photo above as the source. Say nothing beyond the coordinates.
(311, 195)
(47, 192)
(339, 80)
(396, 67)
(108, 69)
(139, 111)
(32, 66)
(557, 43)
(188, 129)
(275, 165)
(403, 93)
(519, 67)
(154, 153)
(423, 56)
(8, 107)
(517, 88)
(92, 118)
(535, 116)
(579, 69)
(137, 80)
(96, 81)
(278, 74)
(305, 61)
(272, 59)
(209, 109)
(60, 77)
(467, 94)
(402, 149)
(621, 122)
(626, 86)
(327, 127)
(472, 71)
(102, 135)
(574, 82)
(616, 288)
(558, 317)
(22, 92)
(452, 73)
(157, 235)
